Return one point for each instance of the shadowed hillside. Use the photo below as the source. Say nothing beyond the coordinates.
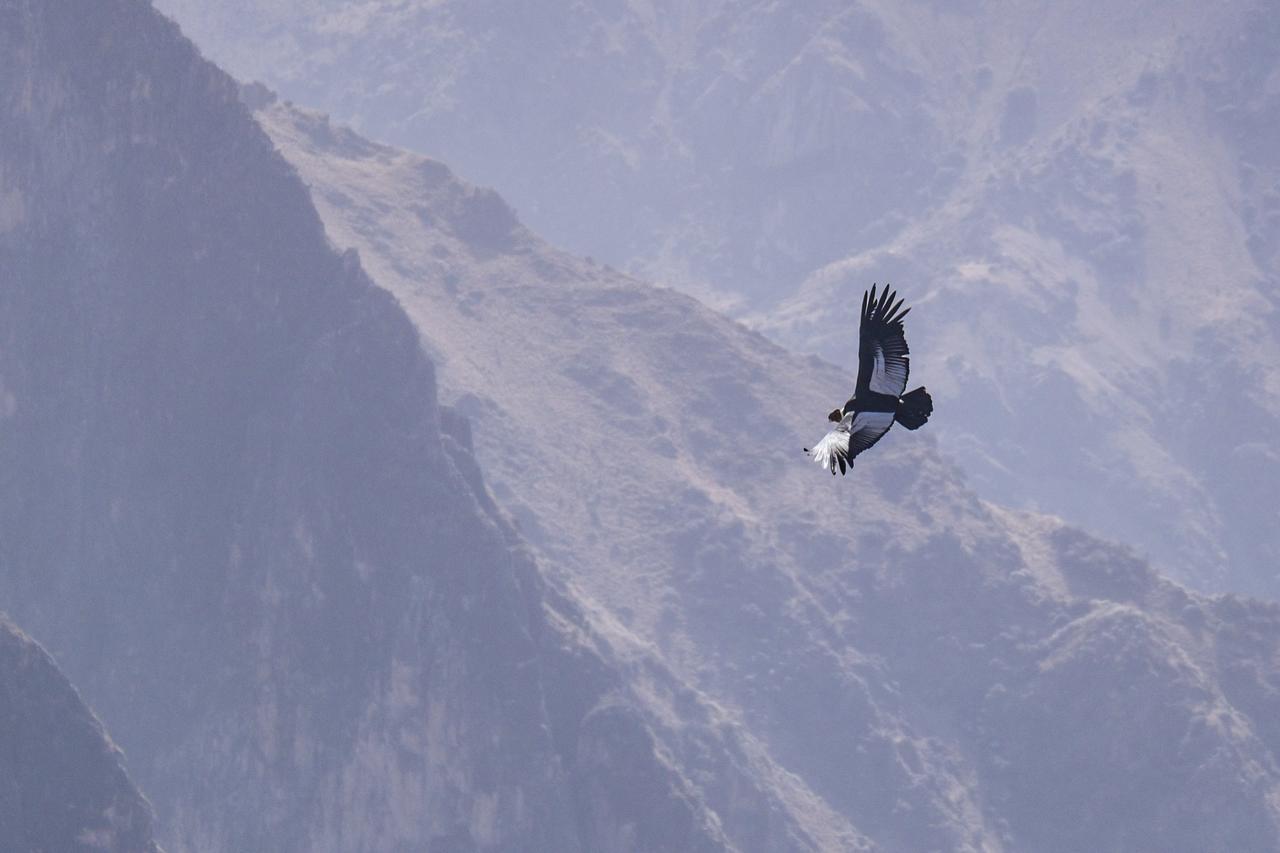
(232, 507)
(62, 786)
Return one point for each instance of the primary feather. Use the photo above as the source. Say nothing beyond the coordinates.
(884, 361)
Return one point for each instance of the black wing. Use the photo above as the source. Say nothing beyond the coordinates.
(883, 360)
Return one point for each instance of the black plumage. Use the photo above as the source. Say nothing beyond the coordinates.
(878, 401)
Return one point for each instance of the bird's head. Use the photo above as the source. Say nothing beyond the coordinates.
(836, 415)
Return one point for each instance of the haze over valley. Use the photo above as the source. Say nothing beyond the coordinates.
(369, 508)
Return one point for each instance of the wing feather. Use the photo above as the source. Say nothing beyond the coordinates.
(850, 437)
(867, 428)
(884, 363)
(833, 449)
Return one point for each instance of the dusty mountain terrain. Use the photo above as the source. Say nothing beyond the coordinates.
(62, 783)
(1089, 198)
(234, 511)
(939, 671)
(260, 499)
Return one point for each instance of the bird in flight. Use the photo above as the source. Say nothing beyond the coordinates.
(877, 401)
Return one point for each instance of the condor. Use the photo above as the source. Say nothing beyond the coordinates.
(877, 401)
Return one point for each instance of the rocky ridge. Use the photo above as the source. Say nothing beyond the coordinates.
(232, 507)
(63, 786)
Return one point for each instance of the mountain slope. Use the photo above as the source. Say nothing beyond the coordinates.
(1109, 292)
(1090, 195)
(62, 786)
(233, 508)
(940, 672)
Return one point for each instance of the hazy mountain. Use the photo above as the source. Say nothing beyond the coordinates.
(1103, 285)
(62, 786)
(938, 672)
(1087, 198)
(232, 507)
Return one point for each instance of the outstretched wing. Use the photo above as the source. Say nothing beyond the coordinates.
(866, 430)
(883, 360)
(853, 435)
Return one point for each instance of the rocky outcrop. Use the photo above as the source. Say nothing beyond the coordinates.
(62, 783)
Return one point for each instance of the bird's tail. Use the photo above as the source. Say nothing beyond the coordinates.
(914, 408)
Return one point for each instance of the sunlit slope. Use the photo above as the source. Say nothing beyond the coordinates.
(941, 672)
(1089, 191)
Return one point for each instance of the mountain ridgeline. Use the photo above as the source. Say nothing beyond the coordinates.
(62, 786)
(1087, 199)
(233, 509)
(933, 670)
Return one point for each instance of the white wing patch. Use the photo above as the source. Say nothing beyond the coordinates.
(888, 377)
(872, 421)
(866, 430)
